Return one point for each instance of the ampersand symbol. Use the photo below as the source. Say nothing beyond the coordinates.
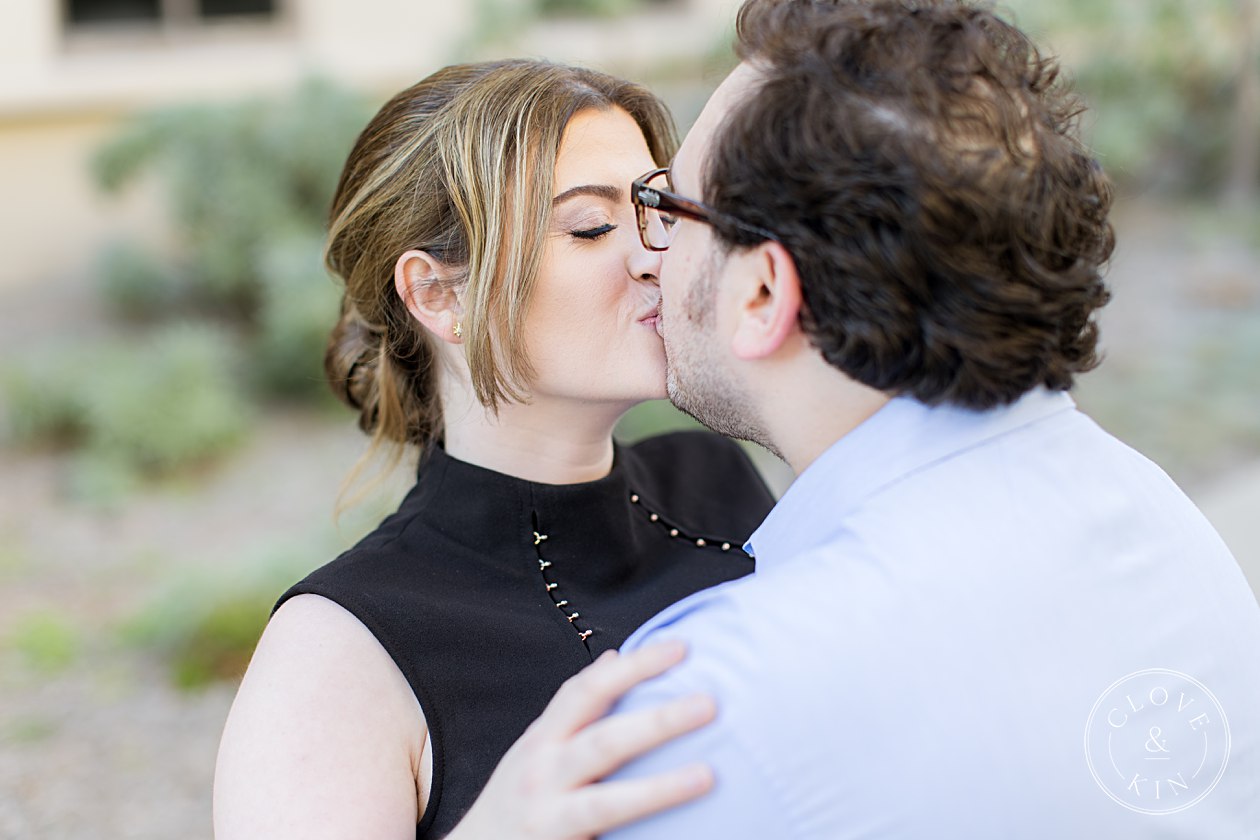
(1153, 744)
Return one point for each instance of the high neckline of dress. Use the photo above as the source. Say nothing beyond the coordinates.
(487, 510)
(597, 525)
(436, 460)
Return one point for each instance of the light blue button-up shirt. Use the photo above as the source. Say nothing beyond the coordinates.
(979, 625)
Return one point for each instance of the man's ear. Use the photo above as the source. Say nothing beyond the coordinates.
(423, 284)
(771, 306)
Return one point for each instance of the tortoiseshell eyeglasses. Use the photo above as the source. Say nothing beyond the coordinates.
(657, 209)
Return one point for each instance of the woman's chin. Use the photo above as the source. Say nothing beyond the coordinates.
(644, 381)
(653, 389)
(658, 388)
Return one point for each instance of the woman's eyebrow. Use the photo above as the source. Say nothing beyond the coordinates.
(607, 191)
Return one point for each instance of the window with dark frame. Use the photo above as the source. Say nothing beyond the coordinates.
(94, 12)
(234, 8)
(100, 14)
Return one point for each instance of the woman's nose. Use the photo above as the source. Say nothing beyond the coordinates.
(644, 264)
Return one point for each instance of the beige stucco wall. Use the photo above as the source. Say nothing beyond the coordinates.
(43, 68)
(55, 223)
(62, 93)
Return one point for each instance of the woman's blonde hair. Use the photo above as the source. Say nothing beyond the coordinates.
(461, 166)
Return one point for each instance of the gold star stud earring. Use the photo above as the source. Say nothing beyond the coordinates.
(459, 330)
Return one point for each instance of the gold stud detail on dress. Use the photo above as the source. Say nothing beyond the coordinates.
(573, 616)
(542, 564)
(584, 634)
(538, 538)
(698, 542)
(562, 604)
(552, 586)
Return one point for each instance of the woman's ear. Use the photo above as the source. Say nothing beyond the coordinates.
(771, 307)
(423, 284)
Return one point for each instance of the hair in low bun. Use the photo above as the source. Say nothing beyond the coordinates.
(350, 362)
(392, 388)
(459, 165)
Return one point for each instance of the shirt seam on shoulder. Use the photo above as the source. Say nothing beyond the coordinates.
(951, 455)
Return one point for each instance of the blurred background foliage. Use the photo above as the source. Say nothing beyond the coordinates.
(133, 407)
(1162, 78)
(589, 8)
(242, 181)
(230, 321)
(203, 624)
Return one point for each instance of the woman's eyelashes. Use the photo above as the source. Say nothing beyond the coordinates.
(592, 233)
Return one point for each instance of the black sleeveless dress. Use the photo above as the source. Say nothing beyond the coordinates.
(490, 591)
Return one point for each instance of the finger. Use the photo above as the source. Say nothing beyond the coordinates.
(587, 695)
(602, 807)
(607, 744)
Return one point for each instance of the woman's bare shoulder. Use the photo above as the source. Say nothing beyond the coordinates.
(325, 737)
(311, 631)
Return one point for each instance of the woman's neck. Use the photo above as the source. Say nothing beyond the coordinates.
(547, 441)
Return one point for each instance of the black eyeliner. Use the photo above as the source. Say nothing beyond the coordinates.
(593, 233)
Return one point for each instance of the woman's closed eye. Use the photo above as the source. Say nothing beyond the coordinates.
(594, 232)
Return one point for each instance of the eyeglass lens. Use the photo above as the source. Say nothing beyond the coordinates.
(658, 225)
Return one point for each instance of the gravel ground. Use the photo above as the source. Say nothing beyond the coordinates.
(107, 747)
(108, 750)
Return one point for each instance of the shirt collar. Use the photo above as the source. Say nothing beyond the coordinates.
(902, 437)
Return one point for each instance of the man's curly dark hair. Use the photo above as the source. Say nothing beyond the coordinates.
(920, 160)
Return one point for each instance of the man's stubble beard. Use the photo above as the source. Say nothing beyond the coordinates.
(695, 377)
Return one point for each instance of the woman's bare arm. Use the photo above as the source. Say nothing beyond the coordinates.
(325, 738)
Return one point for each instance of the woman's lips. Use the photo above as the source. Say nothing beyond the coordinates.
(652, 320)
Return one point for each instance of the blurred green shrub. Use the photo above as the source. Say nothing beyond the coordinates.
(298, 306)
(144, 405)
(203, 631)
(27, 729)
(169, 400)
(248, 185)
(45, 640)
(587, 8)
(1160, 78)
(136, 284)
(45, 398)
(204, 626)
